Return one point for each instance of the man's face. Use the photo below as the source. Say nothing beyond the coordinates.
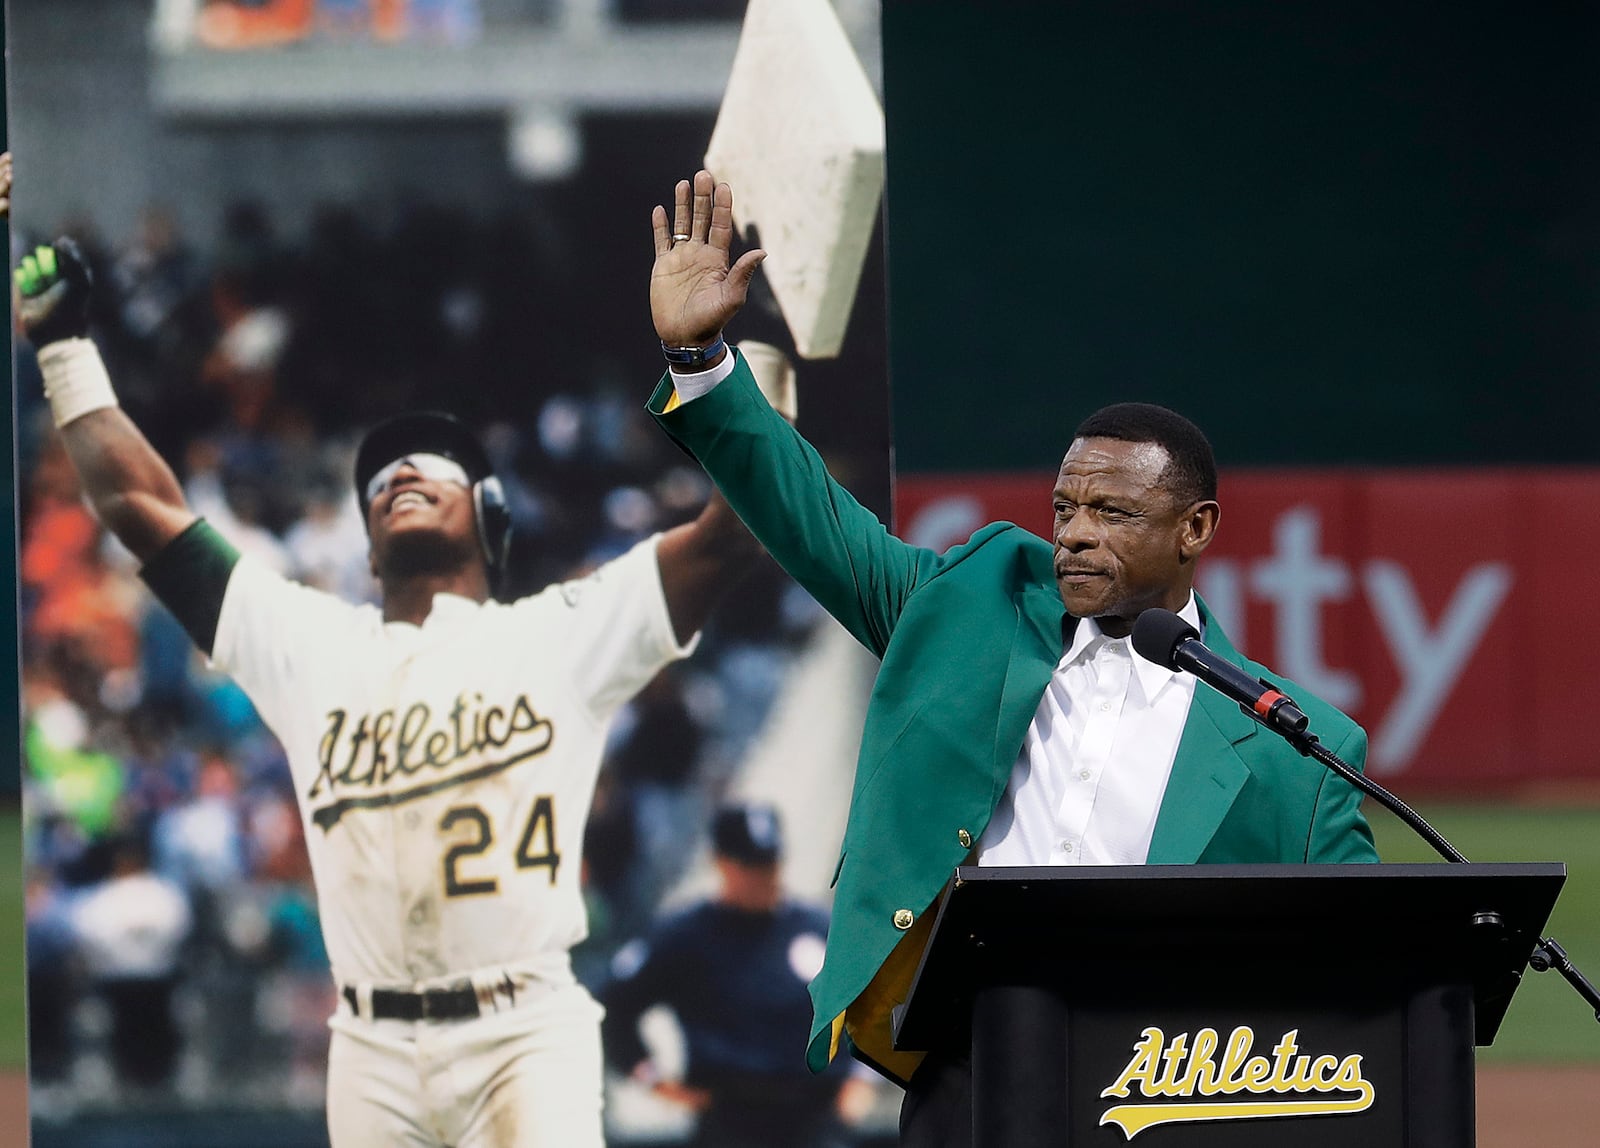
(421, 519)
(753, 886)
(1123, 542)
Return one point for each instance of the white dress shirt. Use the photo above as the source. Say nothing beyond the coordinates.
(1088, 783)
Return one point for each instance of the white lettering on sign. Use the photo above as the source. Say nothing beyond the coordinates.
(1298, 578)
(1430, 663)
(945, 522)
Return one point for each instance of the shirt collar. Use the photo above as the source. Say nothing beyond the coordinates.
(447, 609)
(1088, 638)
(454, 607)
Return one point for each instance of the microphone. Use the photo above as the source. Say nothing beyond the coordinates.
(1160, 636)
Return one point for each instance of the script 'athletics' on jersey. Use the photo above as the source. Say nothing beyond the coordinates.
(360, 755)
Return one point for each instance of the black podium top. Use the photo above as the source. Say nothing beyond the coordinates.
(1158, 925)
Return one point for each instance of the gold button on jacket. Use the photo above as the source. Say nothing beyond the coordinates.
(903, 918)
(965, 838)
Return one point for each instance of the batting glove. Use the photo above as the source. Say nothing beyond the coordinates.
(54, 286)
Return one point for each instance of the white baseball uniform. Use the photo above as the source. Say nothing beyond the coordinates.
(445, 773)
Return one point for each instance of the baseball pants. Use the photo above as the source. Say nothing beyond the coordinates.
(524, 1077)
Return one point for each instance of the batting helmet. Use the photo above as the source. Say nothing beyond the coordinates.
(434, 432)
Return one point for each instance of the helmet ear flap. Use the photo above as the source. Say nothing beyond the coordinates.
(494, 526)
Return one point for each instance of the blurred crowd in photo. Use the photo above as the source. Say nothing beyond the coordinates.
(251, 24)
(174, 951)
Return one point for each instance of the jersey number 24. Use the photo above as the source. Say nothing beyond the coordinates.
(540, 833)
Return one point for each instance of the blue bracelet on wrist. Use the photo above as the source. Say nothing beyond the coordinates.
(693, 357)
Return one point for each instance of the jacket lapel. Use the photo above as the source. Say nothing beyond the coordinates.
(1207, 772)
(1036, 647)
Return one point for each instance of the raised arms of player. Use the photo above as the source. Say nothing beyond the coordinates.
(130, 486)
(700, 561)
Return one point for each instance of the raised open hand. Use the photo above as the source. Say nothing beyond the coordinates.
(693, 291)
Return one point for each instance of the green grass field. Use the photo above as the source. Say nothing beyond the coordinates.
(1548, 1021)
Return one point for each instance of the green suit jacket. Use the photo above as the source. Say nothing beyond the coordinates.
(968, 640)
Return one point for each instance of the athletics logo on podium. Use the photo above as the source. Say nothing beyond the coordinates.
(1208, 1080)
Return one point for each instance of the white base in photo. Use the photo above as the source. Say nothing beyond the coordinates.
(800, 139)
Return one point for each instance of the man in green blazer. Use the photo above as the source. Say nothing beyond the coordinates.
(1009, 723)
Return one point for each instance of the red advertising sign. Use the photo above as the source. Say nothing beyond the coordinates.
(1454, 613)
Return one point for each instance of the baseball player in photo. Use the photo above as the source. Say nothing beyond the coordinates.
(444, 746)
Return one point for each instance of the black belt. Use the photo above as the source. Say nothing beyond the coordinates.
(459, 1003)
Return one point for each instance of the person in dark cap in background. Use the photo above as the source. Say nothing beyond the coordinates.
(444, 745)
(734, 970)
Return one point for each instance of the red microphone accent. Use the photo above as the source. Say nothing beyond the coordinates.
(1266, 701)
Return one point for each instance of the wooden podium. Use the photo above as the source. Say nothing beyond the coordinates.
(1195, 1006)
